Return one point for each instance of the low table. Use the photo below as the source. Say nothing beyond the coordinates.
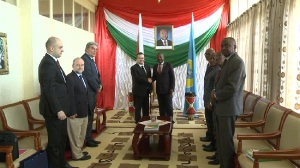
(143, 148)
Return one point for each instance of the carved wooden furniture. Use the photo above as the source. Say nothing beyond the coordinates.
(142, 146)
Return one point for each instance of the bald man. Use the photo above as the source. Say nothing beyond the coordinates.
(54, 102)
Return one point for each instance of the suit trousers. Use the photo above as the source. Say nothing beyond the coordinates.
(209, 123)
(141, 103)
(57, 136)
(165, 104)
(88, 135)
(76, 131)
(225, 128)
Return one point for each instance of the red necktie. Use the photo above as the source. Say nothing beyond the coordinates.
(58, 63)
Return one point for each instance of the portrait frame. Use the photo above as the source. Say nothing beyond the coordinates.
(161, 44)
(4, 68)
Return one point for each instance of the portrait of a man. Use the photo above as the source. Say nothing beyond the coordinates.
(164, 35)
(3, 54)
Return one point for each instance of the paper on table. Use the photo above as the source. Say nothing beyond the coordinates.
(160, 122)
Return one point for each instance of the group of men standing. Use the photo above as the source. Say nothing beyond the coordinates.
(223, 100)
(67, 102)
(163, 74)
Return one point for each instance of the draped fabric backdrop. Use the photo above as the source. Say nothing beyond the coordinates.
(268, 40)
(116, 33)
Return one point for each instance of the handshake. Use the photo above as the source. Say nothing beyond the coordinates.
(149, 80)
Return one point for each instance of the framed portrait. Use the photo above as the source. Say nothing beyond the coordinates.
(3, 54)
(163, 37)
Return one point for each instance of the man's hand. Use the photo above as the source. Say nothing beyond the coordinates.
(100, 88)
(209, 107)
(149, 80)
(73, 116)
(171, 91)
(212, 97)
(61, 115)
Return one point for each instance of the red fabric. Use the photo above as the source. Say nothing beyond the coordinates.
(221, 33)
(106, 61)
(167, 12)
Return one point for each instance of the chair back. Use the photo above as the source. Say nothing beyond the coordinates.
(274, 121)
(249, 104)
(290, 134)
(13, 116)
(260, 111)
(33, 111)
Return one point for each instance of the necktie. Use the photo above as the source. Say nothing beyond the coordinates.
(95, 66)
(62, 72)
(165, 43)
(144, 69)
(159, 68)
(80, 77)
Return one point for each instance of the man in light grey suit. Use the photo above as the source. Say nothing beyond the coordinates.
(228, 95)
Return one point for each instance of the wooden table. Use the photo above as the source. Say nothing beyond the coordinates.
(143, 148)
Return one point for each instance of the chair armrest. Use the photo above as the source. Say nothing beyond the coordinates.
(246, 115)
(8, 155)
(259, 136)
(250, 124)
(291, 154)
(36, 121)
(35, 134)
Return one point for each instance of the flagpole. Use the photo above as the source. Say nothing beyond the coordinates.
(191, 86)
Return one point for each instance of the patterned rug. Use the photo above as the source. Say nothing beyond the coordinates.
(115, 151)
(122, 118)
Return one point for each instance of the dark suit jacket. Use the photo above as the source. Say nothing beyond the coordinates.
(229, 87)
(93, 79)
(140, 84)
(160, 43)
(165, 80)
(54, 94)
(209, 83)
(78, 95)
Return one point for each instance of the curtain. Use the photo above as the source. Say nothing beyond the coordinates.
(267, 39)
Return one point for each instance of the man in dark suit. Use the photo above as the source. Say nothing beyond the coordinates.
(78, 120)
(228, 95)
(209, 84)
(209, 133)
(54, 103)
(163, 74)
(163, 41)
(92, 75)
(141, 86)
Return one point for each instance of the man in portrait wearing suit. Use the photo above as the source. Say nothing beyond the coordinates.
(228, 96)
(54, 102)
(163, 41)
(163, 74)
(92, 75)
(78, 120)
(141, 86)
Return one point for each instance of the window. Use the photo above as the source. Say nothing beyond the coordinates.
(13, 2)
(68, 12)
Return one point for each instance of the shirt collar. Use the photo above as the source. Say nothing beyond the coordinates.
(227, 58)
(89, 56)
(52, 57)
(78, 74)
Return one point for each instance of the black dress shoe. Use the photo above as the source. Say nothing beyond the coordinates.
(206, 146)
(84, 157)
(90, 144)
(96, 142)
(214, 162)
(210, 149)
(213, 157)
(85, 153)
(205, 139)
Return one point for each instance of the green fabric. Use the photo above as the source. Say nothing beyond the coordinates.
(176, 57)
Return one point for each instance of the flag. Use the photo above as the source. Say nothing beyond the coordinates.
(191, 69)
(140, 43)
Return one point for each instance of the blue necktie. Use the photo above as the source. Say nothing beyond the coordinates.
(80, 77)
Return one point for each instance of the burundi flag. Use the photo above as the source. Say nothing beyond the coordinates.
(191, 69)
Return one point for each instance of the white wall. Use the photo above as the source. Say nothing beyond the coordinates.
(25, 28)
